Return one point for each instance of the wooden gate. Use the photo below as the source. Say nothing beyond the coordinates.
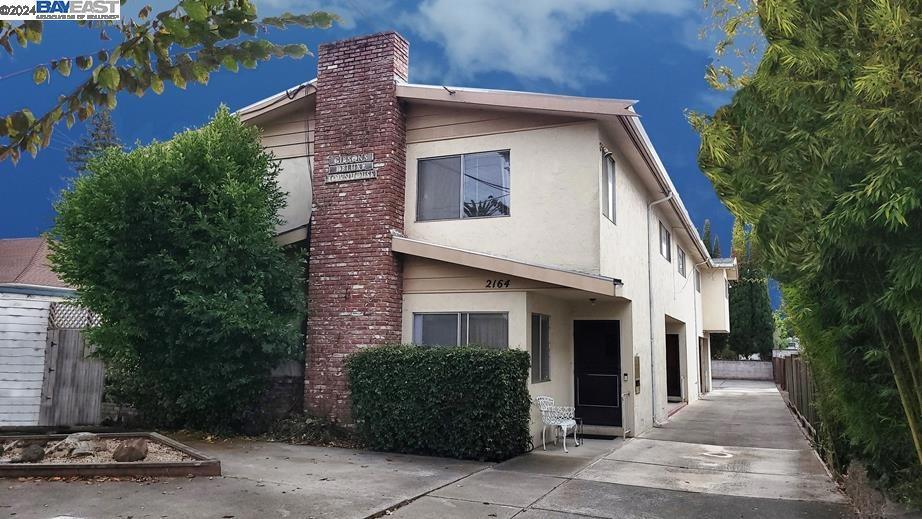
(73, 382)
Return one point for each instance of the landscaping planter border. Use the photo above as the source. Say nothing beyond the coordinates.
(202, 465)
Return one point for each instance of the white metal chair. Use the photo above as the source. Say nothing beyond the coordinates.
(558, 418)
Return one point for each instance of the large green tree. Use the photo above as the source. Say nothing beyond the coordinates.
(181, 45)
(172, 245)
(821, 150)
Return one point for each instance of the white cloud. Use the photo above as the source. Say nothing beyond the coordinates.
(528, 39)
(710, 99)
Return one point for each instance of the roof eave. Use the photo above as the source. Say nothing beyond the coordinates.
(591, 283)
(588, 107)
(38, 290)
(276, 101)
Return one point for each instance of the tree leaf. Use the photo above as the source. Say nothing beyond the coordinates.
(295, 50)
(156, 84)
(84, 62)
(230, 63)
(40, 74)
(176, 27)
(109, 78)
(62, 66)
(195, 9)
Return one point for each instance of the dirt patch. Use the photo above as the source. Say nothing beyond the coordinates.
(156, 453)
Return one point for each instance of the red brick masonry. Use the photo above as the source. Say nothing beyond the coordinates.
(355, 283)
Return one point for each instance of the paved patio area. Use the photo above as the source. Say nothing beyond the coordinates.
(737, 453)
(261, 480)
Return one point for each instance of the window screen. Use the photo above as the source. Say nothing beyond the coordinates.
(488, 329)
(540, 348)
(608, 188)
(474, 185)
(439, 189)
(665, 242)
(436, 329)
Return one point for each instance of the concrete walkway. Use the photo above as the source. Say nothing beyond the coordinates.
(736, 453)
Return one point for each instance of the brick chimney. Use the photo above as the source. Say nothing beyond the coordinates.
(355, 282)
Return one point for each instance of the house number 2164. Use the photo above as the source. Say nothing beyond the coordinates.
(497, 283)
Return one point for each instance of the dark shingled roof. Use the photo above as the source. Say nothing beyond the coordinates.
(24, 261)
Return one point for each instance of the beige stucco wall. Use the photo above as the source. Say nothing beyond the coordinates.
(560, 387)
(288, 135)
(556, 220)
(714, 296)
(295, 180)
(624, 254)
(519, 306)
(553, 198)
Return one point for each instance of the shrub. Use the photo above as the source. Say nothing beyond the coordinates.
(468, 402)
(172, 246)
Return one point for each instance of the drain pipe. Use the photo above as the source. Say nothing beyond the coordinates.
(650, 207)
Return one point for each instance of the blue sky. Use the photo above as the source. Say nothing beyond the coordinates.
(647, 50)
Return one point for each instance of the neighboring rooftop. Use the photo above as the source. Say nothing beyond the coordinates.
(24, 261)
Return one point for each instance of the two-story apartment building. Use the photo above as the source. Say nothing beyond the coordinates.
(441, 215)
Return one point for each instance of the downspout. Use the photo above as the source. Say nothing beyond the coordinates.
(650, 207)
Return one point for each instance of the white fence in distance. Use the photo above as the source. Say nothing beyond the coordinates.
(741, 369)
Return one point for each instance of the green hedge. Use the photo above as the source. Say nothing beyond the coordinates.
(468, 403)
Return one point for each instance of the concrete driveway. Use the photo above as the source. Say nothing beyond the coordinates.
(261, 480)
(737, 453)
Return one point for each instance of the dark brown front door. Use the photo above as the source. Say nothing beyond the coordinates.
(597, 371)
(673, 371)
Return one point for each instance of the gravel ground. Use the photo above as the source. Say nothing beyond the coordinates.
(156, 453)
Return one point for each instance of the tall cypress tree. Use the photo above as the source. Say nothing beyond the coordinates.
(100, 134)
(751, 324)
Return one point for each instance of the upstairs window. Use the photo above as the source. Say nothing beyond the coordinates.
(665, 242)
(490, 329)
(680, 256)
(697, 281)
(540, 348)
(473, 185)
(608, 187)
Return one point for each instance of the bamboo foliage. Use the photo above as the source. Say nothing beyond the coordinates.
(821, 149)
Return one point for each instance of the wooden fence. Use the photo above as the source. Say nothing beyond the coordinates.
(793, 376)
(73, 383)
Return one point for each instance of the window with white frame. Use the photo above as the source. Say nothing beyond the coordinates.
(488, 329)
(540, 348)
(608, 187)
(665, 242)
(473, 185)
(680, 261)
(697, 281)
